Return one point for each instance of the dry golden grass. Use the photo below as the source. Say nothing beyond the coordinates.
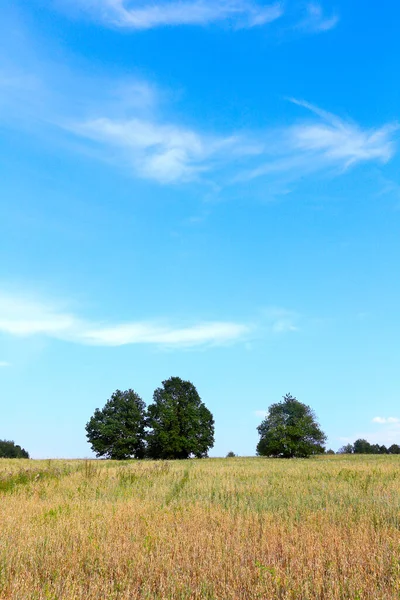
(222, 529)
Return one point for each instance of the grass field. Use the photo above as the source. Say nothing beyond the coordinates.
(241, 528)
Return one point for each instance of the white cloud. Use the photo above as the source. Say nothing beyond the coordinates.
(142, 15)
(379, 420)
(385, 420)
(160, 151)
(23, 317)
(340, 140)
(128, 124)
(169, 153)
(325, 142)
(315, 21)
(163, 151)
(142, 333)
(4, 364)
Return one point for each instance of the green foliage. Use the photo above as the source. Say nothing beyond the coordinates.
(9, 449)
(290, 430)
(118, 430)
(363, 447)
(347, 449)
(330, 451)
(230, 455)
(180, 424)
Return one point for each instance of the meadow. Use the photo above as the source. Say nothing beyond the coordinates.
(216, 529)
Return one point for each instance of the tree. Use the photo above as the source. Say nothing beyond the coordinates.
(180, 424)
(9, 449)
(231, 455)
(347, 449)
(330, 451)
(363, 447)
(118, 430)
(290, 430)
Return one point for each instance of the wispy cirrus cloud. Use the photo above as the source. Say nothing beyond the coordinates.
(315, 20)
(129, 127)
(161, 151)
(169, 153)
(4, 364)
(143, 14)
(342, 140)
(323, 142)
(22, 316)
(129, 124)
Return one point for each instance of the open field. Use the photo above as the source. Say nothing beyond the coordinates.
(221, 529)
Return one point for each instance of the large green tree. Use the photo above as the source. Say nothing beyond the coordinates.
(180, 424)
(361, 446)
(118, 430)
(290, 430)
(8, 449)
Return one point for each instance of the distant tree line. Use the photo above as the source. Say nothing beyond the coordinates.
(290, 430)
(363, 447)
(9, 449)
(177, 425)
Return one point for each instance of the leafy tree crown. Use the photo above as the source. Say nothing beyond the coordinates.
(180, 424)
(118, 430)
(290, 430)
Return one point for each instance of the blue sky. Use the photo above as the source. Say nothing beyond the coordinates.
(207, 189)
